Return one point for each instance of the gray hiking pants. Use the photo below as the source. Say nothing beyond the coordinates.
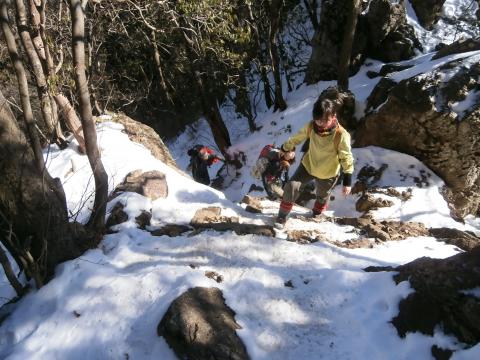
(293, 188)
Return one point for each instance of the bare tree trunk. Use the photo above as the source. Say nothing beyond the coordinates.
(311, 6)
(267, 92)
(97, 219)
(7, 267)
(207, 99)
(36, 37)
(38, 19)
(242, 101)
(346, 50)
(71, 120)
(213, 116)
(158, 63)
(261, 58)
(274, 11)
(22, 86)
(36, 64)
(286, 67)
(33, 215)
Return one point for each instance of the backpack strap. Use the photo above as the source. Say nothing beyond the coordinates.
(309, 129)
(338, 136)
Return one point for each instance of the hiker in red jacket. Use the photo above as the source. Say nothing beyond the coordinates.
(201, 157)
(329, 150)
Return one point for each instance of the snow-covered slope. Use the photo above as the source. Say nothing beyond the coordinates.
(107, 303)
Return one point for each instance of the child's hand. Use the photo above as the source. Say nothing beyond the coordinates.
(289, 155)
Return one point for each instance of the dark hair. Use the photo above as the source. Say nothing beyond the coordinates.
(324, 107)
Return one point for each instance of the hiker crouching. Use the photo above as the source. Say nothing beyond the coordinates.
(275, 175)
(201, 157)
(329, 151)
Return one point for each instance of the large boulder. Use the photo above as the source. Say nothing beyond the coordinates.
(211, 218)
(382, 33)
(428, 11)
(199, 325)
(386, 33)
(442, 298)
(145, 135)
(460, 46)
(418, 118)
(151, 184)
(327, 41)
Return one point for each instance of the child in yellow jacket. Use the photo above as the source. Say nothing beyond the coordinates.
(329, 150)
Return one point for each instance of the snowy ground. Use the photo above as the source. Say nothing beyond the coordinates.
(107, 303)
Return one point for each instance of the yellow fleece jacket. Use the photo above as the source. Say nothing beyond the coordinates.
(322, 159)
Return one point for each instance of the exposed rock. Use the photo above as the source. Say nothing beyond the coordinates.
(251, 200)
(428, 11)
(385, 32)
(171, 230)
(458, 87)
(198, 325)
(440, 297)
(210, 218)
(464, 240)
(379, 94)
(441, 354)
(387, 69)
(378, 268)
(253, 210)
(253, 204)
(382, 33)
(326, 42)
(255, 187)
(416, 119)
(368, 176)
(385, 230)
(151, 184)
(457, 47)
(355, 244)
(390, 68)
(145, 135)
(143, 220)
(383, 17)
(302, 236)
(368, 202)
(117, 215)
(214, 275)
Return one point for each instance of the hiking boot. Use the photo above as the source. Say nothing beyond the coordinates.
(280, 222)
(319, 209)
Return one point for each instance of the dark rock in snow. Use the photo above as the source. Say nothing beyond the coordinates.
(441, 354)
(441, 297)
(117, 215)
(464, 240)
(416, 118)
(428, 11)
(143, 220)
(198, 325)
(368, 202)
(459, 46)
(171, 230)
